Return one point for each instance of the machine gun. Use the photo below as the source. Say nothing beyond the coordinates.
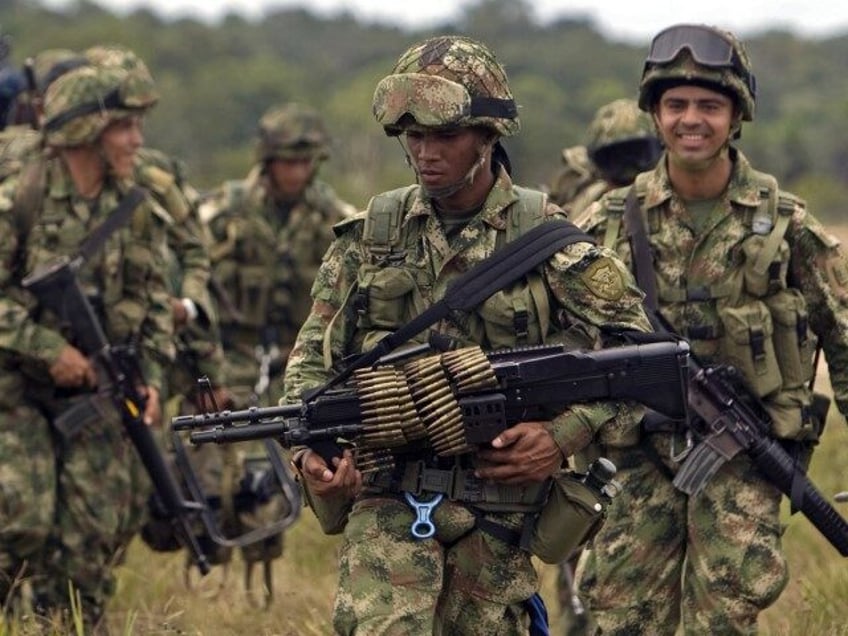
(735, 421)
(454, 401)
(57, 288)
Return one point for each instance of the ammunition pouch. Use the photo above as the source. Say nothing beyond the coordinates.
(747, 345)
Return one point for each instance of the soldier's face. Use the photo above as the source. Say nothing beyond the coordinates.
(120, 142)
(289, 177)
(694, 122)
(443, 157)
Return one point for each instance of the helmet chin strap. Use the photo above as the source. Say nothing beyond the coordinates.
(449, 190)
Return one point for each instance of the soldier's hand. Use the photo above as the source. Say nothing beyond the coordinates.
(72, 369)
(153, 409)
(523, 453)
(344, 479)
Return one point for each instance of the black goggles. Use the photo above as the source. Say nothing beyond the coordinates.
(707, 46)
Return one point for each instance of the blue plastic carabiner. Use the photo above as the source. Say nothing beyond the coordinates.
(422, 527)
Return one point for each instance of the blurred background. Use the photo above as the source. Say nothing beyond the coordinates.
(218, 68)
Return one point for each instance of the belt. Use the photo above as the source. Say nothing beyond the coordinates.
(458, 484)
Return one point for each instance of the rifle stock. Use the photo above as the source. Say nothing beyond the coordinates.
(57, 288)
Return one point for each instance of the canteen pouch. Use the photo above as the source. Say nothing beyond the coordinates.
(571, 516)
(747, 345)
(794, 346)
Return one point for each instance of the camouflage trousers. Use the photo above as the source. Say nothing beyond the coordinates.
(462, 581)
(27, 492)
(708, 563)
(102, 493)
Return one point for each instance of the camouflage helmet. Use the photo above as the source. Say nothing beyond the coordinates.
(292, 131)
(617, 122)
(446, 81)
(702, 55)
(80, 104)
(50, 64)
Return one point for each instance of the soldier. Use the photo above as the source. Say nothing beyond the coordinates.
(269, 232)
(448, 101)
(621, 143)
(742, 269)
(74, 492)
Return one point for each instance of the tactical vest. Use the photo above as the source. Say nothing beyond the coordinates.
(391, 289)
(762, 320)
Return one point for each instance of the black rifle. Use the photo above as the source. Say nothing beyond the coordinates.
(522, 384)
(735, 421)
(57, 288)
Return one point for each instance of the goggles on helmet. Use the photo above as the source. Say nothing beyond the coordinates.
(432, 101)
(707, 46)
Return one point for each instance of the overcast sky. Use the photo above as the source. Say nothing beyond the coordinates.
(622, 19)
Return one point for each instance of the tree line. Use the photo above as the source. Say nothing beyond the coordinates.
(217, 79)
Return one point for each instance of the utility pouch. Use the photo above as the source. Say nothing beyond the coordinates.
(793, 344)
(747, 345)
(510, 317)
(572, 515)
(254, 288)
(761, 280)
(791, 417)
(383, 296)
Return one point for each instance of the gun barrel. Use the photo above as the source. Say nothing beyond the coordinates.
(253, 415)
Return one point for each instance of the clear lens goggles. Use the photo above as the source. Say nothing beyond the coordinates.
(429, 99)
(707, 47)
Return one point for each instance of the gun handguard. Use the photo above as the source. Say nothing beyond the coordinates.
(733, 425)
(57, 288)
(454, 401)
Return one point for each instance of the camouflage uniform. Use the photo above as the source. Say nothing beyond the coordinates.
(265, 252)
(464, 580)
(72, 506)
(756, 262)
(621, 144)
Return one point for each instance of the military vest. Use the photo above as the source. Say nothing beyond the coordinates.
(752, 316)
(392, 286)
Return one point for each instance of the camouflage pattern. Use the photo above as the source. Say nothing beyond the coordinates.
(292, 131)
(389, 583)
(87, 90)
(50, 64)
(101, 493)
(717, 557)
(576, 174)
(464, 63)
(265, 256)
(616, 122)
(684, 69)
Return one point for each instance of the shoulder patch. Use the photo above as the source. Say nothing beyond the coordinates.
(603, 279)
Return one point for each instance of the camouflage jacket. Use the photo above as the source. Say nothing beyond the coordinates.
(126, 275)
(264, 258)
(585, 294)
(576, 175)
(746, 280)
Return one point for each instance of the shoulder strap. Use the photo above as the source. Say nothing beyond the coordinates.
(119, 217)
(529, 214)
(643, 263)
(383, 219)
(503, 267)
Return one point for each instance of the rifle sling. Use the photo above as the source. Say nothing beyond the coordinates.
(503, 267)
(643, 264)
(118, 218)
